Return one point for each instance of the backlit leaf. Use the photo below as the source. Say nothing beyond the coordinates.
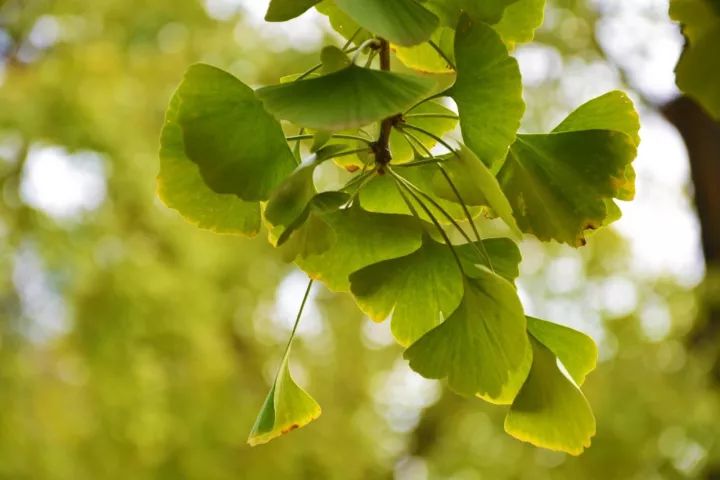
(349, 98)
(488, 91)
(504, 257)
(520, 20)
(419, 290)
(550, 411)
(238, 147)
(286, 408)
(404, 22)
(283, 10)
(482, 348)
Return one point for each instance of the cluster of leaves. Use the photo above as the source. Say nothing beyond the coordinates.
(401, 233)
(698, 71)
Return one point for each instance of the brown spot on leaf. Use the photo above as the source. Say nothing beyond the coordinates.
(290, 428)
(352, 168)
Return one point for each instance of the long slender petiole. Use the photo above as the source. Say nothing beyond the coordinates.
(344, 136)
(431, 115)
(297, 321)
(442, 54)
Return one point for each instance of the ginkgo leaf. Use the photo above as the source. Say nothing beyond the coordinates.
(698, 70)
(403, 149)
(482, 347)
(476, 185)
(283, 10)
(362, 238)
(520, 20)
(550, 411)
(488, 91)
(577, 352)
(425, 58)
(405, 22)
(181, 187)
(333, 59)
(449, 11)
(419, 290)
(559, 184)
(342, 23)
(501, 255)
(349, 98)
(238, 147)
(286, 408)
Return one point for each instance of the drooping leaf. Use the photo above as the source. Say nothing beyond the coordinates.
(482, 347)
(698, 70)
(349, 98)
(362, 239)
(404, 22)
(286, 408)
(520, 20)
(419, 290)
(503, 254)
(283, 10)
(181, 187)
(562, 184)
(238, 147)
(577, 352)
(488, 91)
(550, 411)
(476, 185)
(402, 149)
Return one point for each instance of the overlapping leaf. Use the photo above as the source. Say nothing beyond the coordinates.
(562, 184)
(404, 22)
(286, 408)
(482, 348)
(349, 98)
(238, 147)
(362, 239)
(488, 91)
(520, 20)
(419, 290)
(550, 411)
(501, 255)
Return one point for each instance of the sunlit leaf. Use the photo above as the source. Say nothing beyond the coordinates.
(238, 147)
(577, 352)
(419, 290)
(405, 22)
(286, 408)
(520, 20)
(348, 98)
(342, 23)
(476, 185)
(502, 255)
(181, 187)
(425, 58)
(362, 238)
(488, 91)
(550, 411)
(283, 10)
(488, 11)
(482, 348)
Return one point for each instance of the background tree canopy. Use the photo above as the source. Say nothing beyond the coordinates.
(133, 345)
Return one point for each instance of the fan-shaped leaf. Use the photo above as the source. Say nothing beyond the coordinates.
(550, 412)
(349, 98)
(405, 22)
(482, 348)
(417, 289)
(238, 147)
(286, 408)
(488, 91)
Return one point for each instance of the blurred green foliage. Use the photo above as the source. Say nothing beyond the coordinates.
(161, 340)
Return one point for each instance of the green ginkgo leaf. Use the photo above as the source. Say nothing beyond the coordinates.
(577, 352)
(520, 20)
(562, 184)
(698, 70)
(286, 408)
(404, 22)
(342, 23)
(476, 185)
(181, 187)
(362, 239)
(349, 98)
(482, 347)
(550, 411)
(419, 290)
(283, 10)
(425, 57)
(238, 147)
(488, 91)
(487, 11)
(500, 255)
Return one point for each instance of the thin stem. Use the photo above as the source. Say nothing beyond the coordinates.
(305, 136)
(442, 54)
(417, 163)
(309, 72)
(297, 319)
(382, 146)
(431, 135)
(362, 46)
(350, 40)
(412, 139)
(431, 115)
